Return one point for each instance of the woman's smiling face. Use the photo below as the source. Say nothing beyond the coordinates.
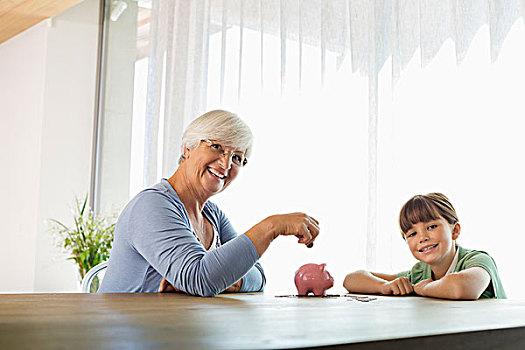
(432, 242)
(213, 171)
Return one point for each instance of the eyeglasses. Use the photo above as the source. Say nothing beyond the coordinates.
(237, 158)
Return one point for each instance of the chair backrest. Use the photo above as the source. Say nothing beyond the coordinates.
(93, 277)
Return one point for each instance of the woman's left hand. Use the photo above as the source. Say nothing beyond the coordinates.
(234, 288)
(166, 287)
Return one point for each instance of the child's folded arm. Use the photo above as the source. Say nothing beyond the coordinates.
(371, 282)
(468, 284)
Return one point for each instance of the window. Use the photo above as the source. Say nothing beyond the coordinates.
(447, 127)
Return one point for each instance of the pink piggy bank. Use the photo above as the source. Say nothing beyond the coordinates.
(313, 278)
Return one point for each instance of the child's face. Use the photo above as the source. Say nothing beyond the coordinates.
(432, 242)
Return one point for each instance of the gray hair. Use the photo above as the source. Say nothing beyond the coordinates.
(221, 126)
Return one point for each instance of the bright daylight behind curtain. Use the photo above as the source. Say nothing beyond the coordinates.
(334, 92)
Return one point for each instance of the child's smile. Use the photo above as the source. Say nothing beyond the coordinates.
(428, 248)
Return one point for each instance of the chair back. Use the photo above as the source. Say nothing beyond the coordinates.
(93, 278)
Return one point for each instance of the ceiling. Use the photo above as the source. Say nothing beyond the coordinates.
(19, 15)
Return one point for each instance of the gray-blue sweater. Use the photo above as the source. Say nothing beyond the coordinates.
(153, 238)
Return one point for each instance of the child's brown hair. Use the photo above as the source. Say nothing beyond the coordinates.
(424, 208)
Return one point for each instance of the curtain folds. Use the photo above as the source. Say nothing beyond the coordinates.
(368, 31)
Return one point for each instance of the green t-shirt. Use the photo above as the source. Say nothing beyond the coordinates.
(467, 258)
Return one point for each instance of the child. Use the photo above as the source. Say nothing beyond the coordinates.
(429, 224)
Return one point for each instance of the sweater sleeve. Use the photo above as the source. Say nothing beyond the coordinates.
(162, 235)
(254, 280)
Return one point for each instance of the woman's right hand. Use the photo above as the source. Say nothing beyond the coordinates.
(303, 226)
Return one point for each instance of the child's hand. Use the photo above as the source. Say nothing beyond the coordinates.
(399, 286)
(420, 287)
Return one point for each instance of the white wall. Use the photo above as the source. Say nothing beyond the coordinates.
(22, 71)
(47, 105)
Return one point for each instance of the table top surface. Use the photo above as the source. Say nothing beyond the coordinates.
(233, 321)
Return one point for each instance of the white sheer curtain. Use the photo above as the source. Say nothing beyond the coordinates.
(320, 83)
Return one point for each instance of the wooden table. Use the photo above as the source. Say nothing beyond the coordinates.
(246, 321)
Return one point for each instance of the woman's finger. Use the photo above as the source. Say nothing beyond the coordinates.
(166, 287)
(162, 286)
(313, 229)
(314, 220)
(305, 235)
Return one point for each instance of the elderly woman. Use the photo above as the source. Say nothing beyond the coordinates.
(170, 237)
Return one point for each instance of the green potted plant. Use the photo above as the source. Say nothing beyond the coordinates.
(89, 241)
